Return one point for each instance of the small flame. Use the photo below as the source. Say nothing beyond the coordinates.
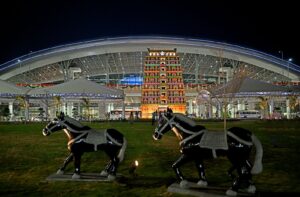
(136, 163)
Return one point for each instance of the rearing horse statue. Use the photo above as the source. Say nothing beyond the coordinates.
(196, 143)
(84, 139)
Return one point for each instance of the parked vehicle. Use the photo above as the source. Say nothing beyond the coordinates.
(248, 114)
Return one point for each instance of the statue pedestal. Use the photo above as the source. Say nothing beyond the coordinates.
(194, 190)
(88, 177)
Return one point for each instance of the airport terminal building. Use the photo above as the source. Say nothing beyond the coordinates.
(155, 73)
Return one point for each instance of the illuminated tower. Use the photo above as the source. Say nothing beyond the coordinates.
(163, 84)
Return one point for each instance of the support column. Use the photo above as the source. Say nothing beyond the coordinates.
(201, 111)
(241, 106)
(26, 108)
(123, 110)
(11, 110)
(69, 109)
(271, 107)
(102, 111)
(190, 107)
(79, 109)
(288, 109)
(64, 109)
(209, 109)
(107, 78)
(230, 110)
(46, 109)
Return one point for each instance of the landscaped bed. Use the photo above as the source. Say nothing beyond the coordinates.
(27, 158)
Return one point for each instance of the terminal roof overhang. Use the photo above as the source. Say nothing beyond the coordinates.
(141, 44)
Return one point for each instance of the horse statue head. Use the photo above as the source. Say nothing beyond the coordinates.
(164, 124)
(180, 124)
(54, 125)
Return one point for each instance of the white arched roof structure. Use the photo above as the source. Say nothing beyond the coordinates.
(125, 55)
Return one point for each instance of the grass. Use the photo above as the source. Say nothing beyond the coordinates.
(27, 158)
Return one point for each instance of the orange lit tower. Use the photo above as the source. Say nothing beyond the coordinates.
(163, 84)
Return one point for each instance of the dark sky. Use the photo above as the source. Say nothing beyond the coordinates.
(33, 25)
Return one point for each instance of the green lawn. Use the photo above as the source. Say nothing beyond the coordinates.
(27, 158)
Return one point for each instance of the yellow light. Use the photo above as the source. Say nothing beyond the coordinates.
(136, 163)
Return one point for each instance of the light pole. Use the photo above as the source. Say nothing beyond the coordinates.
(281, 52)
(288, 64)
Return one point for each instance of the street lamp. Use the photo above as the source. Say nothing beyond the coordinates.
(281, 52)
(288, 64)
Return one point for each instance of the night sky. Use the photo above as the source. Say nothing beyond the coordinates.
(34, 25)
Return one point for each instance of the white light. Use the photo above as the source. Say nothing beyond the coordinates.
(290, 59)
(136, 163)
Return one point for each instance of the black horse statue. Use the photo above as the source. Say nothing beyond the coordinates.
(84, 139)
(196, 143)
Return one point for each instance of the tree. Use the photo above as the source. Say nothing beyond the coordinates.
(263, 105)
(22, 104)
(225, 93)
(86, 105)
(4, 111)
(57, 104)
(293, 103)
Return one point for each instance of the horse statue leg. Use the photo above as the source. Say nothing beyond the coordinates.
(77, 150)
(106, 169)
(201, 171)
(111, 168)
(244, 178)
(112, 171)
(176, 165)
(66, 162)
(77, 160)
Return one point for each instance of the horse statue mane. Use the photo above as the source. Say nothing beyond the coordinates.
(74, 124)
(185, 119)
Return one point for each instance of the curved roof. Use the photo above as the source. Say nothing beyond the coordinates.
(78, 88)
(10, 90)
(138, 45)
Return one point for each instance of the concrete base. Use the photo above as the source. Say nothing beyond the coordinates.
(88, 177)
(194, 190)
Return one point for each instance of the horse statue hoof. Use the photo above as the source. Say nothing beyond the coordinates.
(76, 176)
(111, 177)
(202, 183)
(230, 192)
(184, 184)
(60, 172)
(103, 173)
(251, 189)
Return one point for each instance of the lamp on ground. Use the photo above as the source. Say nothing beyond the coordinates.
(133, 167)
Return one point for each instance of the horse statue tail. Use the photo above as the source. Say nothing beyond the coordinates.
(122, 150)
(257, 166)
